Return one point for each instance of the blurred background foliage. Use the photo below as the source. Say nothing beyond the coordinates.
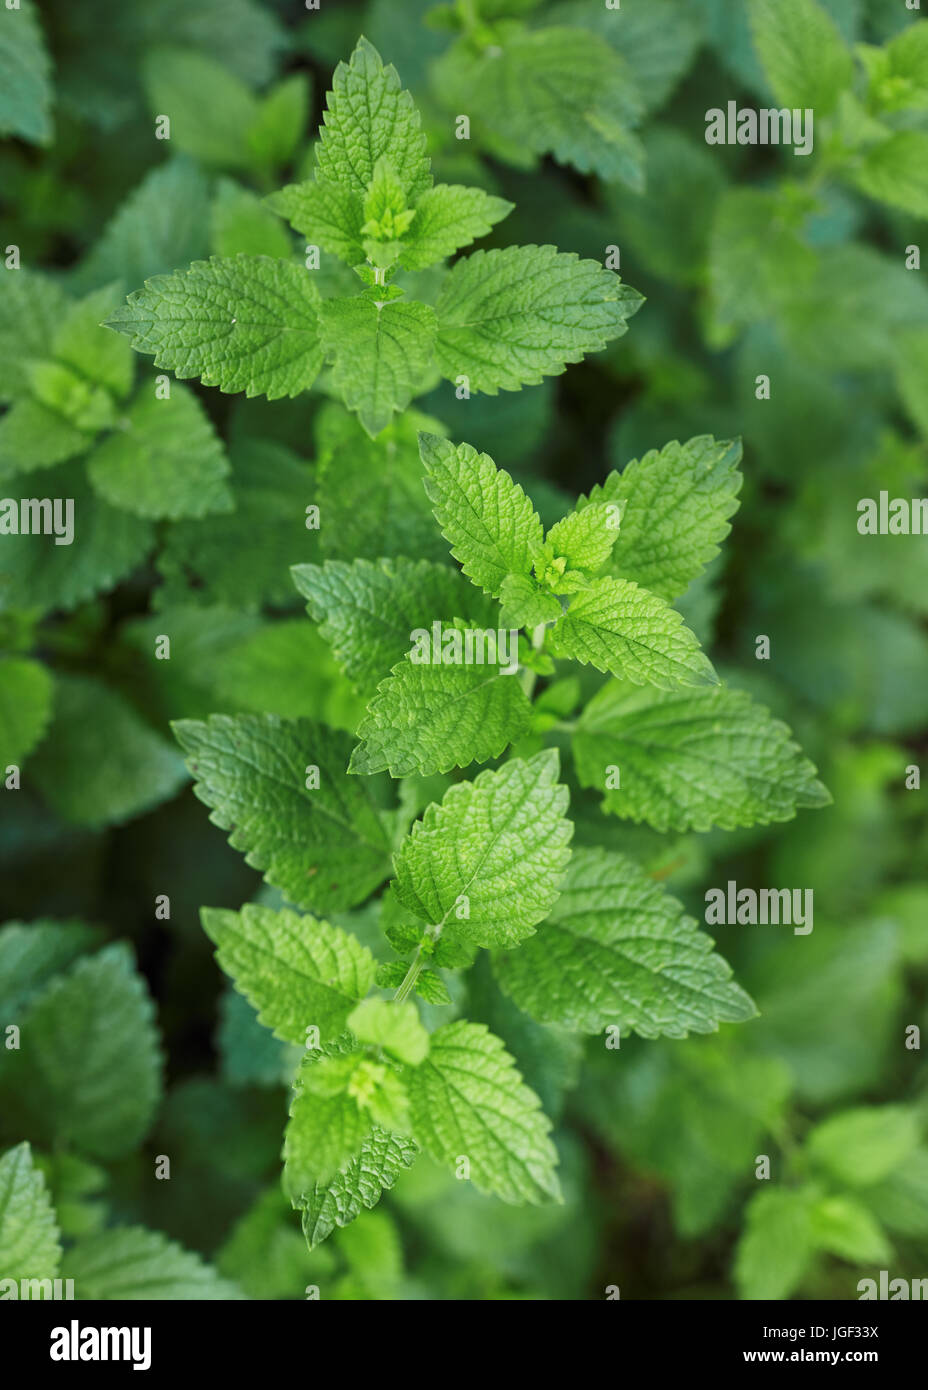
(754, 261)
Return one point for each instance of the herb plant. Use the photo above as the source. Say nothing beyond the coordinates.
(421, 603)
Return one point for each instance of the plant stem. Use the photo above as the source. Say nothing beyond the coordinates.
(529, 677)
(410, 978)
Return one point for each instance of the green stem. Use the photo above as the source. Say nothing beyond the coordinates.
(528, 676)
(409, 979)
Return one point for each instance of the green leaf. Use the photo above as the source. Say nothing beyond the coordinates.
(325, 849)
(777, 1243)
(491, 525)
(328, 214)
(369, 115)
(674, 506)
(280, 123)
(448, 217)
(36, 435)
(368, 610)
(25, 707)
(164, 459)
(618, 950)
(32, 953)
(804, 57)
(559, 91)
(845, 1228)
(88, 1074)
(283, 668)
(250, 1055)
(468, 1101)
(107, 545)
(692, 759)
(337, 1100)
(510, 318)
(380, 352)
(25, 76)
(129, 1262)
(80, 342)
(240, 558)
(249, 323)
(486, 864)
(900, 1201)
(393, 1026)
(359, 1184)
(159, 226)
(525, 603)
(31, 307)
(585, 537)
(896, 172)
(210, 109)
(296, 971)
(29, 1239)
(618, 627)
(427, 718)
(860, 1147)
(240, 223)
(100, 763)
(370, 491)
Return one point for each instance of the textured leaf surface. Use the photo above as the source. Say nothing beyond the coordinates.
(491, 525)
(249, 324)
(557, 90)
(675, 504)
(369, 115)
(468, 1100)
(100, 763)
(497, 846)
(324, 849)
(585, 537)
(296, 971)
(381, 354)
(132, 1263)
(25, 707)
(359, 1185)
(328, 1123)
(330, 215)
(29, 1241)
(164, 459)
(618, 950)
(427, 719)
(510, 318)
(25, 75)
(693, 759)
(88, 1072)
(448, 217)
(626, 630)
(368, 610)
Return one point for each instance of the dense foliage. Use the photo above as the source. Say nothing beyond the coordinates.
(466, 457)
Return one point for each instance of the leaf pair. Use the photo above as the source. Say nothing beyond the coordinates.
(258, 324)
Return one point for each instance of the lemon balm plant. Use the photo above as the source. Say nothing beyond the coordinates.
(501, 319)
(459, 665)
(584, 939)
